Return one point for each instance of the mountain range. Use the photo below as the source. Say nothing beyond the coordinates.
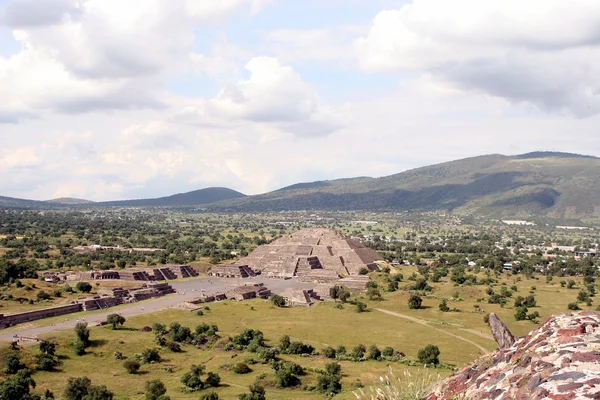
(543, 184)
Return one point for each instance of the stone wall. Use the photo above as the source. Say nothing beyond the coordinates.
(13, 319)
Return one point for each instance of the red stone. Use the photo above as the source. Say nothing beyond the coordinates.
(571, 331)
(586, 356)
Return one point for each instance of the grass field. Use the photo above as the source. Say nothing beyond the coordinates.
(320, 325)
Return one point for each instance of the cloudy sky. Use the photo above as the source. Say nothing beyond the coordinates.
(113, 99)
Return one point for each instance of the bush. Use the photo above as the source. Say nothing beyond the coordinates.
(155, 390)
(131, 366)
(41, 295)
(209, 396)
(329, 383)
(115, 319)
(414, 302)
(444, 306)
(257, 392)
(429, 355)
(299, 348)
(150, 356)
(573, 306)
(212, 379)
(374, 353)
(174, 347)
(358, 352)
(83, 287)
(521, 313)
(388, 351)
(363, 271)
(13, 364)
(329, 352)
(83, 333)
(278, 300)
(241, 368)
(79, 347)
(360, 307)
(159, 329)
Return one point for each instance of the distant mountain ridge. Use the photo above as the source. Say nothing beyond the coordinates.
(542, 184)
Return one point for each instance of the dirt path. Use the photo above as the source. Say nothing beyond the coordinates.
(427, 323)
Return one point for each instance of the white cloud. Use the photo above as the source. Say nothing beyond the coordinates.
(275, 93)
(545, 52)
(95, 55)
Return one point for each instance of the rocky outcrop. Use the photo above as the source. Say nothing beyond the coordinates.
(500, 332)
(558, 360)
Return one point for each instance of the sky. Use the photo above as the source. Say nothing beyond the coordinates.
(112, 99)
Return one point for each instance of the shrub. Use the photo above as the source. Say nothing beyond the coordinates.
(150, 356)
(48, 347)
(241, 368)
(155, 390)
(444, 306)
(374, 353)
(363, 271)
(358, 352)
(257, 392)
(414, 302)
(131, 366)
(159, 329)
(573, 306)
(388, 351)
(329, 352)
(571, 284)
(79, 347)
(429, 355)
(209, 396)
(329, 382)
(83, 287)
(212, 379)
(115, 319)
(521, 313)
(41, 295)
(360, 307)
(83, 333)
(174, 347)
(13, 364)
(278, 300)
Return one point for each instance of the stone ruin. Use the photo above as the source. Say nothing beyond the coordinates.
(106, 298)
(231, 271)
(312, 255)
(300, 297)
(159, 273)
(558, 360)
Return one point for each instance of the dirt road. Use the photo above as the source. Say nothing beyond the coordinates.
(186, 290)
(445, 332)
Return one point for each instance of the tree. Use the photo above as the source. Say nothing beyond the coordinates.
(83, 287)
(573, 306)
(361, 307)
(329, 352)
(374, 353)
(150, 356)
(257, 392)
(429, 355)
(358, 352)
(414, 302)
(388, 351)
(115, 319)
(191, 380)
(159, 329)
(373, 293)
(131, 366)
(571, 284)
(18, 386)
(284, 343)
(329, 382)
(339, 292)
(155, 390)
(444, 306)
(13, 364)
(521, 313)
(83, 333)
(278, 300)
(77, 388)
(209, 396)
(48, 347)
(99, 392)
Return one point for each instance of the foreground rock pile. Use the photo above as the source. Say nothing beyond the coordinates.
(558, 360)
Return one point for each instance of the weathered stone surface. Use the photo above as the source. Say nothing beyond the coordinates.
(501, 334)
(558, 360)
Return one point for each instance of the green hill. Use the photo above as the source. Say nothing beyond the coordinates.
(202, 196)
(556, 185)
